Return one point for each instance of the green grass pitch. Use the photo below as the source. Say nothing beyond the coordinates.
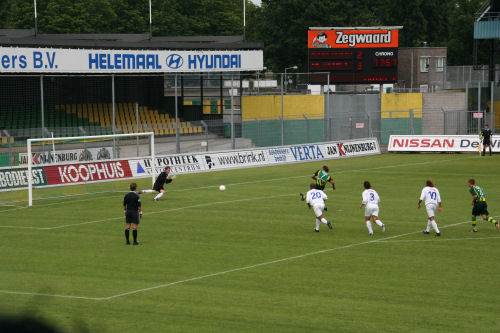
(247, 259)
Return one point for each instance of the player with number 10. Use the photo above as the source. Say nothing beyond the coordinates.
(432, 201)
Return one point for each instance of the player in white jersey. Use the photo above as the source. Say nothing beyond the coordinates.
(370, 201)
(432, 199)
(316, 199)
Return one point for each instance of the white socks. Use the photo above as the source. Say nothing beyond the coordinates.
(147, 191)
(379, 223)
(317, 224)
(324, 220)
(159, 196)
(369, 226)
(428, 229)
(435, 226)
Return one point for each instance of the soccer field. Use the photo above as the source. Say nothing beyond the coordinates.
(247, 259)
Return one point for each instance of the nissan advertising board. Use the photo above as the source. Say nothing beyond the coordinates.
(438, 143)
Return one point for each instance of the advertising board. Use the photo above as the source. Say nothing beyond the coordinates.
(102, 171)
(69, 155)
(354, 55)
(55, 60)
(438, 143)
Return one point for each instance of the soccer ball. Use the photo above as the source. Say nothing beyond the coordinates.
(222, 188)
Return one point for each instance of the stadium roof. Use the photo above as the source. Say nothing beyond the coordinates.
(27, 38)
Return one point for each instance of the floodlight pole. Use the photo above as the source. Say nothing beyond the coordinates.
(244, 21)
(36, 19)
(150, 22)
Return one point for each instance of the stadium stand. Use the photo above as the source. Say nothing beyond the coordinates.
(90, 119)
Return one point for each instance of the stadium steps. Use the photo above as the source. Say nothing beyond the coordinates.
(93, 118)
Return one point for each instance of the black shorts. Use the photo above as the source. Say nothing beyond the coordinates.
(480, 208)
(319, 187)
(486, 142)
(132, 216)
(158, 188)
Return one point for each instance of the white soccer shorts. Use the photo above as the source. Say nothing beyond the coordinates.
(371, 210)
(431, 209)
(318, 209)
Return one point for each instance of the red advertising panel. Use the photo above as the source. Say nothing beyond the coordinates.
(353, 55)
(353, 38)
(87, 172)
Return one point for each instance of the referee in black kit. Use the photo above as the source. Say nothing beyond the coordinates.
(133, 212)
(486, 136)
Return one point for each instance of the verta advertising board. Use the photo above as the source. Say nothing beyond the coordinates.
(438, 143)
(102, 171)
(247, 158)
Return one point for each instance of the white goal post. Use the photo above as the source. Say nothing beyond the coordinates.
(52, 152)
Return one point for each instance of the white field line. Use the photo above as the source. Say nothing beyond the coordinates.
(238, 269)
(150, 213)
(212, 186)
(50, 295)
(61, 202)
(435, 239)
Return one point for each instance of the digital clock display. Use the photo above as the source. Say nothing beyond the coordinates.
(385, 62)
(351, 66)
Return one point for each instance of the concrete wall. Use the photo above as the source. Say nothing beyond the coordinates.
(433, 104)
(268, 107)
(395, 114)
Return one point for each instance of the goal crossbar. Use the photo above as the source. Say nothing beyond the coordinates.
(52, 140)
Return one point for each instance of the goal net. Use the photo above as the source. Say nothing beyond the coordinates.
(77, 166)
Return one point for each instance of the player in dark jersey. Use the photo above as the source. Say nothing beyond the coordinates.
(321, 177)
(163, 178)
(479, 206)
(486, 136)
(133, 212)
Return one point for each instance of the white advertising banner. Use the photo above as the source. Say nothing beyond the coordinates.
(52, 60)
(439, 143)
(67, 156)
(246, 158)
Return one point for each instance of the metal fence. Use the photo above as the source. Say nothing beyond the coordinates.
(204, 112)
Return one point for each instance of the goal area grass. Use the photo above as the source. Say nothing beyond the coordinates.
(248, 260)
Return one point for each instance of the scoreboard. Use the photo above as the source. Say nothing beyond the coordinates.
(353, 55)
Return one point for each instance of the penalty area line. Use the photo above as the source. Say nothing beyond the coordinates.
(150, 213)
(437, 240)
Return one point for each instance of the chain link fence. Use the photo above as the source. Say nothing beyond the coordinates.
(221, 111)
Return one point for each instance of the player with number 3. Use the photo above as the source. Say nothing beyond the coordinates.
(432, 201)
(370, 201)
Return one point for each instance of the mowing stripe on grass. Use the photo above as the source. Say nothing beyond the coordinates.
(215, 186)
(150, 213)
(238, 269)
